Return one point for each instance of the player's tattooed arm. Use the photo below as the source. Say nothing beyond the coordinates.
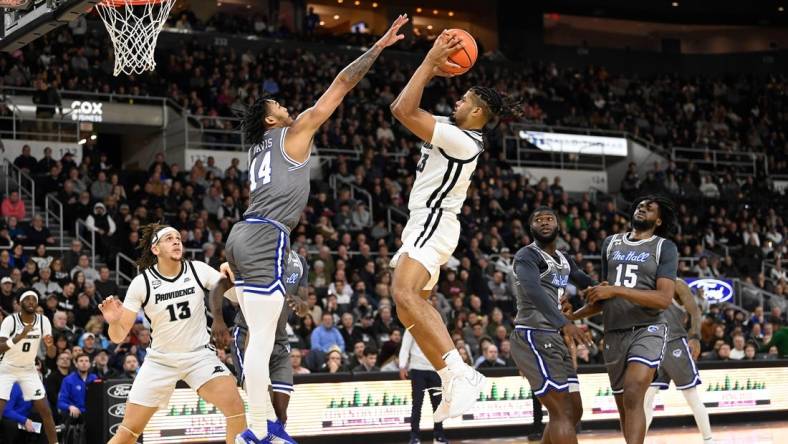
(219, 331)
(353, 73)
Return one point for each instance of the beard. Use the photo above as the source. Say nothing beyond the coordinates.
(642, 225)
(544, 240)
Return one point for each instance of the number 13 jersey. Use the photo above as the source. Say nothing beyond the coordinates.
(635, 264)
(174, 306)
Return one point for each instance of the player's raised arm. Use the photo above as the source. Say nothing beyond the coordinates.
(405, 107)
(299, 136)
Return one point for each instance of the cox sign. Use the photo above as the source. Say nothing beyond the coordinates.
(714, 290)
(87, 111)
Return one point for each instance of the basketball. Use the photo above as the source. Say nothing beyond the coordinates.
(465, 57)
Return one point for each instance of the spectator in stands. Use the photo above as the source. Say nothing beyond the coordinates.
(326, 336)
(60, 327)
(100, 188)
(703, 270)
(71, 400)
(5, 264)
(778, 340)
(42, 259)
(104, 226)
(13, 206)
(101, 367)
(333, 362)
(350, 334)
(37, 233)
(130, 366)
(368, 363)
(7, 296)
(491, 359)
(295, 360)
(750, 352)
(30, 273)
(25, 161)
(71, 257)
(106, 287)
(83, 265)
(737, 353)
(45, 286)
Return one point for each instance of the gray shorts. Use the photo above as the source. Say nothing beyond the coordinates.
(643, 344)
(542, 356)
(256, 252)
(279, 366)
(678, 366)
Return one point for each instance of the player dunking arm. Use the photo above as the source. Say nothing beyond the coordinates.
(543, 336)
(171, 292)
(20, 338)
(279, 185)
(448, 159)
(678, 363)
(296, 284)
(642, 267)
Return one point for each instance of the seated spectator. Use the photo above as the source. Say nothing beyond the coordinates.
(295, 360)
(13, 206)
(750, 352)
(17, 426)
(45, 286)
(350, 333)
(333, 361)
(737, 353)
(326, 336)
(368, 363)
(71, 257)
(101, 367)
(5, 265)
(505, 353)
(71, 400)
(84, 266)
(25, 161)
(37, 233)
(130, 366)
(7, 296)
(491, 359)
(104, 227)
(59, 371)
(41, 258)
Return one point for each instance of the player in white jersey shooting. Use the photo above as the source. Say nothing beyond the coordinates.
(448, 159)
(171, 292)
(20, 339)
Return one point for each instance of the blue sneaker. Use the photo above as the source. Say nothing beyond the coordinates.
(248, 437)
(277, 433)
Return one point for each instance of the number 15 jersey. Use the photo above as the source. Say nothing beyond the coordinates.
(174, 306)
(635, 264)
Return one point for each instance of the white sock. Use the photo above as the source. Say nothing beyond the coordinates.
(262, 313)
(454, 361)
(648, 404)
(699, 411)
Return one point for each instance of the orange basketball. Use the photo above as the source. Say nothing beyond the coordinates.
(465, 57)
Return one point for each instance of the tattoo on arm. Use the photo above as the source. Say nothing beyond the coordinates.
(354, 72)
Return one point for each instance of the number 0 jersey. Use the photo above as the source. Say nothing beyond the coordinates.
(174, 306)
(444, 172)
(23, 355)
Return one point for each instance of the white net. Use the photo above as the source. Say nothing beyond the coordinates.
(134, 27)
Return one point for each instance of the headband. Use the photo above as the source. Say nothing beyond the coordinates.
(161, 233)
(28, 293)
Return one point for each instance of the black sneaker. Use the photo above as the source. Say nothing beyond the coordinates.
(535, 436)
(415, 440)
(440, 440)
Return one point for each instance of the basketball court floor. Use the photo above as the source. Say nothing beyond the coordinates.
(753, 433)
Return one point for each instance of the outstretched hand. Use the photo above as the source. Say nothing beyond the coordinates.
(445, 45)
(392, 36)
(111, 309)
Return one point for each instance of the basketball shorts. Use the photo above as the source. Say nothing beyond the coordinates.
(28, 379)
(256, 251)
(542, 356)
(159, 373)
(430, 237)
(644, 344)
(678, 366)
(279, 366)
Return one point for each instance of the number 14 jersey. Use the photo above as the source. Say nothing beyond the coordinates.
(174, 306)
(635, 264)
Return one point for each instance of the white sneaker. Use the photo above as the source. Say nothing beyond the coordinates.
(460, 393)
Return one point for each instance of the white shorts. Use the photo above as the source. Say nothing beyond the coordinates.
(28, 379)
(158, 375)
(430, 237)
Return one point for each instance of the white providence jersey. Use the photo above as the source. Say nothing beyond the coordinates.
(23, 355)
(444, 172)
(174, 306)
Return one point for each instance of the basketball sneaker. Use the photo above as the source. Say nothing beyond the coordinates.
(276, 435)
(459, 394)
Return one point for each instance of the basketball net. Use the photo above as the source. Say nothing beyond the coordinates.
(134, 26)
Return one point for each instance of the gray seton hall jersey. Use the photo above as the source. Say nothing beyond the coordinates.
(674, 315)
(638, 265)
(174, 306)
(279, 185)
(553, 278)
(295, 276)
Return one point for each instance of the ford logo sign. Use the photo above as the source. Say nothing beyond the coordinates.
(117, 410)
(119, 391)
(714, 290)
(113, 429)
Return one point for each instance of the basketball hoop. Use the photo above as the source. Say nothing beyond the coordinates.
(134, 26)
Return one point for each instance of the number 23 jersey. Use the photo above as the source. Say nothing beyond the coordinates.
(174, 306)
